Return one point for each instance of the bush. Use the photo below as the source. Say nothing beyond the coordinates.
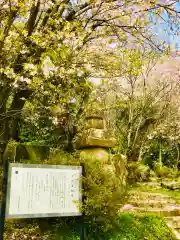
(162, 171)
(138, 172)
(104, 196)
(163, 146)
(103, 193)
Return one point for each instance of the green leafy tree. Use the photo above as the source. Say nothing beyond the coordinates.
(136, 101)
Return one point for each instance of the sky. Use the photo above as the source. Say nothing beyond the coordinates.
(164, 32)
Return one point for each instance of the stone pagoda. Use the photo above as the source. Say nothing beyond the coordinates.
(95, 140)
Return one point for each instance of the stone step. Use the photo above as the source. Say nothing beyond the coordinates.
(156, 203)
(175, 226)
(152, 203)
(149, 194)
(171, 185)
(166, 212)
(152, 196)
(175, 221)
(174, 231)
(156, 185)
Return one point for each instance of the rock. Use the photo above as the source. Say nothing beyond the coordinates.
(96, 122)
(174, 224)
(128, 207)
(110, 168)
(171, 185)
(95, 154)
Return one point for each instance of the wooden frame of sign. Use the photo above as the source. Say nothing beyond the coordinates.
(38, 190)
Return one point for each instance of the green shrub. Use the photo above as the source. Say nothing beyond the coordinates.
(161, 147)
(162, 171)
(103, 193)
(138, 172)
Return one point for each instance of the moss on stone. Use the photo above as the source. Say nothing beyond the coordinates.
(18, 152)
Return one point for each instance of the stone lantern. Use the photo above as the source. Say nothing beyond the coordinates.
(95, 140)
(94, 144)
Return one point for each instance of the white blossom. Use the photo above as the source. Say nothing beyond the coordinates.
(23, 98)
(27, 80)
(9, 72)
(80, 73)
(150, 136)
(6, 6)
(88, 67)
(21, 78)
(23, 51)
(15, 85)
(48, 67)
(73, 100)
(29, 66)
(70, 71)
(55, 120)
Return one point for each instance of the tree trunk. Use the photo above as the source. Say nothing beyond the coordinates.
(16, 109)
(140, 152)
(4, 95)
(9, 119)
(178, 155)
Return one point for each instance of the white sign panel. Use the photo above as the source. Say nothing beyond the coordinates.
(43, 191)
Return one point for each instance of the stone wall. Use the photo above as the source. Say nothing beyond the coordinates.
(20, 152)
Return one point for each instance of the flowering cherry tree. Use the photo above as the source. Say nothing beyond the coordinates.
(44, 48)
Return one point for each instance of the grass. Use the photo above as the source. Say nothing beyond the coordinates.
(143, 227)
(137, 227)
(131, 227)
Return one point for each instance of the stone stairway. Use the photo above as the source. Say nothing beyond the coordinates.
(173, 223)
(157, 203)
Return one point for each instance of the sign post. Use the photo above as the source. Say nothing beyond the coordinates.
(38, 190)
(82, 236)
(4, 194)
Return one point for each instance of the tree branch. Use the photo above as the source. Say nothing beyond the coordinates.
(32, 19)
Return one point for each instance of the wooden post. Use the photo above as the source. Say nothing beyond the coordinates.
(4, 194)
(82, 236)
